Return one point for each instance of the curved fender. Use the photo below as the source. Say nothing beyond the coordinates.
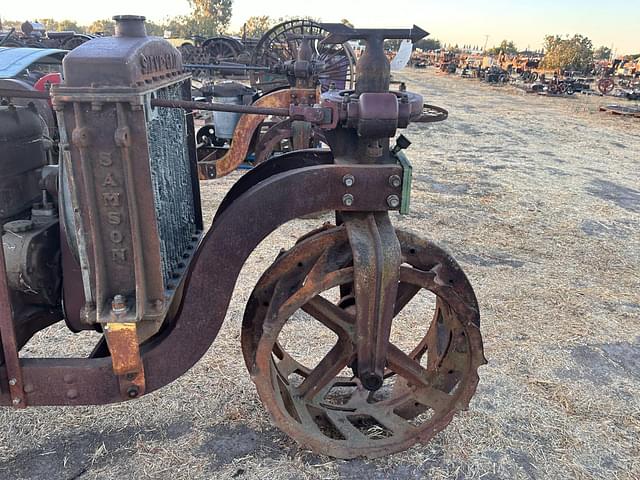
(274, 166)
(244, 132)
(234, 235)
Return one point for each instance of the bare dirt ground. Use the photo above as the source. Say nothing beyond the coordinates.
(539, 200)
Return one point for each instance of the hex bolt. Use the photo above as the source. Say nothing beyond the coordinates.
(347, 199)
(13, 382)
(119, 304)
(348, 180)
(393, 201)
(395, 181)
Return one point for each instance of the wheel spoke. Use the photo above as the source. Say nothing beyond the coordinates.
(326, 371)
(417, 277)
(417, 375)
(407, 367)
(341, 322)
(406, 292)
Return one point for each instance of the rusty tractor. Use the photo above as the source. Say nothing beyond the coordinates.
(111, 240)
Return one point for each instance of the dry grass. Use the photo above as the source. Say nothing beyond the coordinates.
(538, 198)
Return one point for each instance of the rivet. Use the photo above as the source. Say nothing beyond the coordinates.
(68, 378)
(393, 201)
(16, 401)
(13, 382)
(347, 199)
(72, 393)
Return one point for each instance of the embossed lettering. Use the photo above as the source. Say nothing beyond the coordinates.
(119, 255)
(116, 236)
(109, 181)
(111, 199)
(115, 218)
(105, 159)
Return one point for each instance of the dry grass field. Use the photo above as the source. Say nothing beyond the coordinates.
(539, 200)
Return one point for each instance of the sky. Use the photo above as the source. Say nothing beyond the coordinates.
(611, 23)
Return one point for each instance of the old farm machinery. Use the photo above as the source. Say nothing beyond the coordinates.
(114, 243)
(263, 134)
(35, 35)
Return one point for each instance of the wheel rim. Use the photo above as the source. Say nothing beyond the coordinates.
(276, 46)
(323, 406)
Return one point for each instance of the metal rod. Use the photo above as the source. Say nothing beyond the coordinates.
(157, 102)
(7, 92)
(228, 66)
(7, 37)
(219, 107)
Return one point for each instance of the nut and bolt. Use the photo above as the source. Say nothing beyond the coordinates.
(395, 181)
(119, 304)
(347, 200)
(13, 382)
(348, 180)
(393, 201)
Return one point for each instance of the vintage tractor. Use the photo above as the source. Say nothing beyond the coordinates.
(112, 240)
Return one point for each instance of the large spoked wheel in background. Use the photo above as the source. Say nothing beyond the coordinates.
(277, 46)
(222, 49)
(299, 343)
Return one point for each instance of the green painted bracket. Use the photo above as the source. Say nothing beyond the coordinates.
(407, 175)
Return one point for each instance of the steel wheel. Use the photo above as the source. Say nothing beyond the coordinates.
(316, 398)
(222, 49)
(605, 86)
(276, 46)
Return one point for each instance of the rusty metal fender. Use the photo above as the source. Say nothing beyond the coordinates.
(282, 163)
(235, 233)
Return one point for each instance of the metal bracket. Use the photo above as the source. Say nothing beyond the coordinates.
(407, 175)
(122, 339)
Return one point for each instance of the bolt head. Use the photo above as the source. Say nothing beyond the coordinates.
(348, 180)
(16, 401)
(395, 181)
(393, 201)
(13, 382)
(347, 200)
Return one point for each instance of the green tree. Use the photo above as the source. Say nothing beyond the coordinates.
(505, 46)
(52, 25)
(574, 53)
(257, 26)
(602, 53)
(69, 25)
(155, 29)
(105, 26)
(209, 17)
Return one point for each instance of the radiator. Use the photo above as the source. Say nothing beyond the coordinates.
(132, 212)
